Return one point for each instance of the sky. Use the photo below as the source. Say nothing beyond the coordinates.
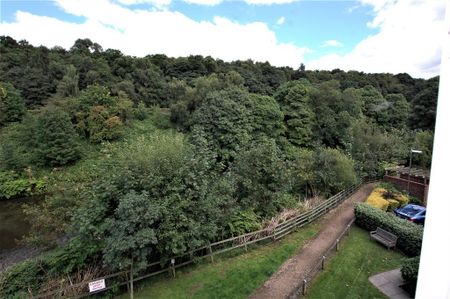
(387, 36)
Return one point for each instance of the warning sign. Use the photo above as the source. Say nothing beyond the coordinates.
(97, 285)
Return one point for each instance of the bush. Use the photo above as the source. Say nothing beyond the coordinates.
(140, 112)
(409, 234)
(377, 200)
(393, 204)
(410, 269)
(12, 186)
(17, 280)
(243, 222)
(56, 139)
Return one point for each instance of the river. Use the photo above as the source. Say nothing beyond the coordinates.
(13, 223)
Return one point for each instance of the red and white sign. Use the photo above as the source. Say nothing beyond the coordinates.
(97, 285)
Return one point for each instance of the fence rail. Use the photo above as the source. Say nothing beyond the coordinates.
(302, 286)
(210, 250)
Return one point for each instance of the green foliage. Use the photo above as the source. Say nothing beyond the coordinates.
(17, 149)
(409, 234)
(224, 122)
(423, 140)
(243, 222)
(140, 112)
(74, 255)
(332, 113)
(13, 186)
(371, 148)
(347, 272)
(18, 280)
(334, 171)
(56, 138)
(158, 199)
(98, 115)
(132, 234)
(410, 269)
(12, 106)
(68, 86)
(294, 100)
(266, 117)
(424, 106)
(15, 282)
(260, 177)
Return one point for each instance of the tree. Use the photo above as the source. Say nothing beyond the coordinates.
(68, 86)
(261, 177)
(334, 170)
(224, 122)
(267, 118)
(12, 106)
(293, 98)
(158, 199)
(56, 138)
(424, 106)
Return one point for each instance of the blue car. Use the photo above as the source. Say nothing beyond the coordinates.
(412, 213)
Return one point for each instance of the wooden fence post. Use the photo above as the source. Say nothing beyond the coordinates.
(131, 281)
(304, 287)
(337, 245)
(172, 266)
(211, 253)
(323, 262)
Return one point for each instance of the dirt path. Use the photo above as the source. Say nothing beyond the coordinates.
(294, 270)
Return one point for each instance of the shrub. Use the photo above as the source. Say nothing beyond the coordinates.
(140, 112)
(377, 200)
(410, 269)
(409, 234)
(12, 186)
(17, 280)
(56, 139)
(243, 222)
(393, 204)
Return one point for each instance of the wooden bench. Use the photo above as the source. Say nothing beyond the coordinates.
(385, 237)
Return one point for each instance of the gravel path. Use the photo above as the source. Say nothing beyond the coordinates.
(294, 270)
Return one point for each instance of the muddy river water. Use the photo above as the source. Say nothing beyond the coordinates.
(13, 223)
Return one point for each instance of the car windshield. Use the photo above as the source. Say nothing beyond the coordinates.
(410, 210)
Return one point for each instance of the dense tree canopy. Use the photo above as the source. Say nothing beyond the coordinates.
(150, 157)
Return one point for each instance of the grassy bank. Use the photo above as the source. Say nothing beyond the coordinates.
(347, 273)
(234, 276)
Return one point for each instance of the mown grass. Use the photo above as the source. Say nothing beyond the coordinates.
(347, 273)
(231, 276)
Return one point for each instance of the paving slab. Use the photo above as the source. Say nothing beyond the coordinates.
(389, 283)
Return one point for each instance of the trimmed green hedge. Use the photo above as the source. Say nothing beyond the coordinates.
(409, 234)
(410, 269)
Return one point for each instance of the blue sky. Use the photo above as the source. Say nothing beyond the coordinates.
(365, 35)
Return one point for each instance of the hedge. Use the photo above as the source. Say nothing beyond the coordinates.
(410, 269)
(409, 234)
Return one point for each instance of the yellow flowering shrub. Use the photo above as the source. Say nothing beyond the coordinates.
(393, 204)
(377, 200)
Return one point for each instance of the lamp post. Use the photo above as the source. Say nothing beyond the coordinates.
(412, 151)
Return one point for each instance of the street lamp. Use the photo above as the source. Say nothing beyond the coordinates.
(412, 151)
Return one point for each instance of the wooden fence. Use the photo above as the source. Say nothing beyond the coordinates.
(302, 285)
(115, 280)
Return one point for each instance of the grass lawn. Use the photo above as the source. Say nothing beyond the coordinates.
(347, 273)
(234, 276)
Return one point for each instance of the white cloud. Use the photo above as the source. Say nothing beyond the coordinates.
(281, 21)
(268, 2)
(143, 32)
(332, 43)
(204, 2)
(157, 3)
(409, 40)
